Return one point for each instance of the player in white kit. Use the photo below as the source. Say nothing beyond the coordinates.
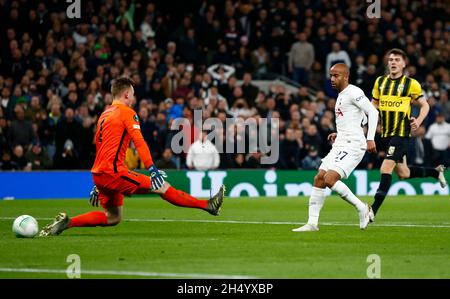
(348, 149)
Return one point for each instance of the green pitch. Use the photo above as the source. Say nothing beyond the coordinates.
(252, 238)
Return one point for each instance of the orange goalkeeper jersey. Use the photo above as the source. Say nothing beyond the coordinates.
(116, 127)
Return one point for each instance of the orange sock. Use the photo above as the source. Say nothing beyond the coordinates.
(182, 199)
(95, 218)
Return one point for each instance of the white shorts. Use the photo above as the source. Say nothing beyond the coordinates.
(343, 160)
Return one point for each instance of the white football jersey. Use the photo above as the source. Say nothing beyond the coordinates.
(350, 112)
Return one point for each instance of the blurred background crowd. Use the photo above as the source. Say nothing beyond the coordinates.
(56, 73)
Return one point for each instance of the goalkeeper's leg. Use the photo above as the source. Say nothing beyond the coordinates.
(182, 199)
(111, 190)
(112, 215)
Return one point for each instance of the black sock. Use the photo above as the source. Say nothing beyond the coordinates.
(382, 191)
(421, 172)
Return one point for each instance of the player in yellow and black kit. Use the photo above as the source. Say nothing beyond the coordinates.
(393, 95)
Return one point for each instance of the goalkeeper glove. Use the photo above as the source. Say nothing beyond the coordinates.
(93, 198)
(157, 177)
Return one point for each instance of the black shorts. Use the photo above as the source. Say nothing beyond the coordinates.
(396, 147)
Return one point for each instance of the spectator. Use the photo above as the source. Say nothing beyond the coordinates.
(326, 127)
(260, 61)
(295, 120)
(87, 147)
(6, 103)
(38, 157)
(302, 97)
(227, 90)
(242, 62)
(238, 161)
(166, 161)
(37, 113)
(231, 34)
(169, 82)
(369, 80)
(301, 58)
(221, 72)
(3, 133)
(202, 154)
(439, 135)
(156, 93)
(421, 148)
(207, 83)
(126, 16)
(358, 71)
(21, 130)
(250, 91)
(67, 141)
(241, 109)
(290, 148)
(216, 97)
(72, 101)
(150, 132)
(182, 90)
(7, 163)
(19, 158)
(322, 44)
(176, 110)
(222, 56)
(94, 106)
(312, 161)
(336, 55)
(312, 138)
(146, 28)
(48, 128)
(316, 77)
(253, 160)
(237, 94)
(189, 47)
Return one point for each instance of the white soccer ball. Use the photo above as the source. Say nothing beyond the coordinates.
(25, 226)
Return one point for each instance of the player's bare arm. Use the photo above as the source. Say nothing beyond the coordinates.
(371, 147)
(332, 137)
(375, 103)
(424, 109)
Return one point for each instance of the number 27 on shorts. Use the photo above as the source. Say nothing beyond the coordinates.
(340, 155)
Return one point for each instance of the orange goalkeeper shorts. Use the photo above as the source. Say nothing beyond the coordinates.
(112, 187)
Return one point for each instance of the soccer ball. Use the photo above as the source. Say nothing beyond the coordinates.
(25, 226)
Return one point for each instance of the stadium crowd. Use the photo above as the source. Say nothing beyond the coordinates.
(56, 73)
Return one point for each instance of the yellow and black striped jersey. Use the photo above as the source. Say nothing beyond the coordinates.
(394, 98)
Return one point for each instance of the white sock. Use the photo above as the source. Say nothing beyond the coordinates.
(340, 188)
(316, 201)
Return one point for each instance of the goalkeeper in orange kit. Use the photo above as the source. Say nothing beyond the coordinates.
(117, 126)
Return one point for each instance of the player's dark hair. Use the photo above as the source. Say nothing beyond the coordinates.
(397, 51)
(119, 85)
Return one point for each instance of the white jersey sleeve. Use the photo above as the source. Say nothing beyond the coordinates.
(366, 106)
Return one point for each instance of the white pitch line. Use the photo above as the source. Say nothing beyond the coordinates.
(268, 222)
(130, 273)
(285, 223)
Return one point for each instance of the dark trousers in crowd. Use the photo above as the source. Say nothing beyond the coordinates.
(300, 75)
